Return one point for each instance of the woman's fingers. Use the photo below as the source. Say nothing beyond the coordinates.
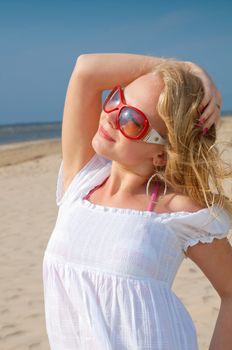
(212, 111)
(210, 115)
(210, 106)
(207, 97)
(208, 110)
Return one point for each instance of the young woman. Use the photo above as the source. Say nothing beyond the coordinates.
(139, 189)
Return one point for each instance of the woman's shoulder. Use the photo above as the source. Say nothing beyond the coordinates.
(188, 217)
(176, 202)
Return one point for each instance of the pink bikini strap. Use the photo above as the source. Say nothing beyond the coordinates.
(152, 203)
(95, 188)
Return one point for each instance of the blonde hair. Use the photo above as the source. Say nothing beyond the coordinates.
(194, 164)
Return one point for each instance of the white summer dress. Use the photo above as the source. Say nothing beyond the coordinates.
(108, 272)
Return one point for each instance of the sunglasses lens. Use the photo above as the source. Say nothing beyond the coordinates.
(131, 122)
(112, 102)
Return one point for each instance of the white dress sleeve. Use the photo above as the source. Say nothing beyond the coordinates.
(201, 226)
(93, 169)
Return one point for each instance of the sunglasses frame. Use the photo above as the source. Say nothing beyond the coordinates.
(149, 137)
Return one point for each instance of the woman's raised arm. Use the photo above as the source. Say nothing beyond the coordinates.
(92, 74)
(109, 69)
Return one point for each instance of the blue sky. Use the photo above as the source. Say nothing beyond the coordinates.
(40, 41)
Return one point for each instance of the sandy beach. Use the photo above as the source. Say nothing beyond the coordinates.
(28, 175)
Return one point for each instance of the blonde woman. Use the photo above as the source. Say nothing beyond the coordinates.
(139, 189)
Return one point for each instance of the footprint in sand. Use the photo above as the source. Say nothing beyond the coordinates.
(206, 298)
(7, 326)
(215, 309)
(16, 296)
(6, 329)
(14, 334)
(192, 270)
(34, 345)
(4, 311)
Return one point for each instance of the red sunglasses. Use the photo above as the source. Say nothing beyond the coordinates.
(132, 122)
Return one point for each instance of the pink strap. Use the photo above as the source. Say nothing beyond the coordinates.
(95, 188)
(151, 204)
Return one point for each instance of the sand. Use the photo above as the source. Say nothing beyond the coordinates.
(28, 174)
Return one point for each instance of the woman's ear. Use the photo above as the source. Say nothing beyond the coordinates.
(160, 159)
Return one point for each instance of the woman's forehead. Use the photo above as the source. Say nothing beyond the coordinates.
(143, 93)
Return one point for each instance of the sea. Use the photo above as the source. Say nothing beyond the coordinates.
(29, 132)
(36, 131)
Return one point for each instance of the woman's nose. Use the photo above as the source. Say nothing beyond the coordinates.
(111, 117)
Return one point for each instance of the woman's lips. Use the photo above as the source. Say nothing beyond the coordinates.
(104, 133)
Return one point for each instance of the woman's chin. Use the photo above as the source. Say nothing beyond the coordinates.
(100, 146)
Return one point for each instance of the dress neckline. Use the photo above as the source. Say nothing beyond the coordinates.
(147, 213)
(134, 212)
(151, 203)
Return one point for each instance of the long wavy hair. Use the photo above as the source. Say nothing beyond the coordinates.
(195, 166)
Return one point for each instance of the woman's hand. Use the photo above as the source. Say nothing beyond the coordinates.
(210, 106)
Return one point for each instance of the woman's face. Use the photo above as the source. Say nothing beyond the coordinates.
(143, 93)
